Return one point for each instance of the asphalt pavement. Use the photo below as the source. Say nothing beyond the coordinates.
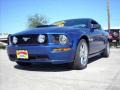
(101, 74)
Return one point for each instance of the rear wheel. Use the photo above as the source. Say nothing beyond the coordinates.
(106, 51)
(23, 63)
(81, 58)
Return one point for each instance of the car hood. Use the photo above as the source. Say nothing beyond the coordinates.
(49, 30)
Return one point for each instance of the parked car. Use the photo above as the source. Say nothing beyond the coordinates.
(69, 41)
(114, 35)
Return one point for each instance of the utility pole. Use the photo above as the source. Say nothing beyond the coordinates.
(108, 14)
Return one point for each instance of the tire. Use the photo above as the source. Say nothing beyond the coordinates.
(81, 58)
(106, 51)
(23, 63)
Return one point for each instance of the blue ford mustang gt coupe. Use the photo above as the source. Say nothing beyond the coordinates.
(70, 41)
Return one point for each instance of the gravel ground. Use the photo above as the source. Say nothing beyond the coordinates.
(101, 74)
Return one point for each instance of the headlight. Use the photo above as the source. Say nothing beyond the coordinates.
(15, 40)
(41, 38)
(63, 39)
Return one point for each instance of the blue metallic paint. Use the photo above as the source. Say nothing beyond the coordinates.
(97, 40)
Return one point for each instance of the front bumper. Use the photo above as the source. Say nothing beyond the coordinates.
(42, 54)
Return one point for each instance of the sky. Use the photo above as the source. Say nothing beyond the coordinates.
(14, 13)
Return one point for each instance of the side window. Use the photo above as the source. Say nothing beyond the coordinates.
(94, 23)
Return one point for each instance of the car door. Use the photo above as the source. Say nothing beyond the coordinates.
(95, 37)
(102, 39)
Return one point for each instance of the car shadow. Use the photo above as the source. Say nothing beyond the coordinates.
(93, 59)
(51, 67)
(44, 67)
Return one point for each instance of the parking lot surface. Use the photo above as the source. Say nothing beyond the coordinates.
(101, 74)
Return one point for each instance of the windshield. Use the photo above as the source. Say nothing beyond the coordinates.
(73, 22)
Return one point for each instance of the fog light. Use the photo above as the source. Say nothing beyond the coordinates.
(15, 40)
(41, 38)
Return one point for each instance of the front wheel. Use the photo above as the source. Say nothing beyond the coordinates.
(81, 58)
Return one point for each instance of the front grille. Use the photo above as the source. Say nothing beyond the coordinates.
(31, 39)
(31, 57)
(41, 57)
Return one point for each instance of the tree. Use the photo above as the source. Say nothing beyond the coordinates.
(37, 20)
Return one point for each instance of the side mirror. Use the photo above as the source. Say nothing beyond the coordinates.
(95, 26)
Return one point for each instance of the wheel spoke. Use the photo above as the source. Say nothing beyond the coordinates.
(83, 53)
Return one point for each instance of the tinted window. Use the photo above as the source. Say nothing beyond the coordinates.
(74, 22)
(95, 23)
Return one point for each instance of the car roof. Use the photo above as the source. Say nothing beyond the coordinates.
(87, 19)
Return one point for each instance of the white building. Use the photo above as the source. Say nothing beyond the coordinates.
(3, 37)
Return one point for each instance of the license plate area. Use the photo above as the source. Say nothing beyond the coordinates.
(22, 54)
